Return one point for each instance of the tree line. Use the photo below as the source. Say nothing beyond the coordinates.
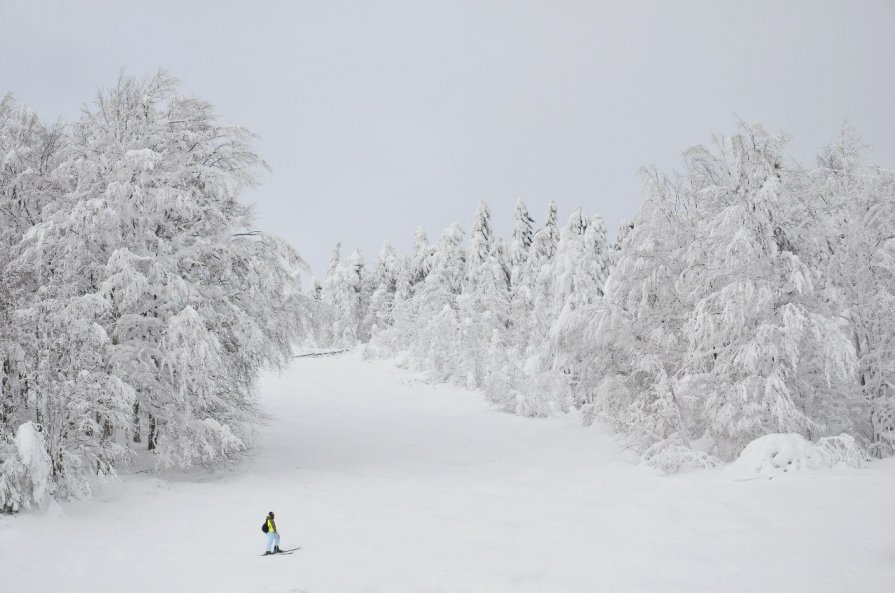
(751, 295)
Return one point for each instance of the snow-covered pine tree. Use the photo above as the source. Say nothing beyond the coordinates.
(579, 271)
(539, 275)
(481, 241)
(423, 257)
(531, 285)
(349, 290)
(533, 315)
(327, 332)
(335, 258)
(523, 234)
(546, 238)
(484, 305)
(389, 273)
(566, 269)
(432, 332)
(624, 229)
(598, 259)
(625, 345)
(449, 259)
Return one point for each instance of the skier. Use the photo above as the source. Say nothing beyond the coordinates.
(273, 538)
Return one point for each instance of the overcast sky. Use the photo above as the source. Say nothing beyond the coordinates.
(377, 117)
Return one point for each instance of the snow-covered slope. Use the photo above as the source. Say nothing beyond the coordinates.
(390, 485)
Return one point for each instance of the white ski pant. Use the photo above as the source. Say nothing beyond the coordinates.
(273, 540)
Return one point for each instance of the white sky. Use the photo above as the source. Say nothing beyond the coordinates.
(380, 116)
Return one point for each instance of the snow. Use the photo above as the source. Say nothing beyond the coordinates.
(33, 456)
(391, 485)
(144, 159)
(776, 454)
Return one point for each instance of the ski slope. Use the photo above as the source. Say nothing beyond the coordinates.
(391, 485)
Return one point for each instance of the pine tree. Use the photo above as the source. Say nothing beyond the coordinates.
(335, 258)
(539, 281)
(598, 258)
(523, 234)
(545, 240)
(481, 242)
(389, 273)
(484, 306)
(623, 346)
(566, 270)
(423, 257)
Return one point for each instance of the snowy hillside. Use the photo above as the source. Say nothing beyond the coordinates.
(391, 485)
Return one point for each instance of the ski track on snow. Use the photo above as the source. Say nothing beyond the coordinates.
(392, 485)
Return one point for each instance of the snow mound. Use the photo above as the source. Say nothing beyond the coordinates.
(775, 454)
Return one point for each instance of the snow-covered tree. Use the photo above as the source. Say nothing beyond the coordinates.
(597, 257)
(756, 325)
(712, 327)
(423, 257)
(389, 277)
(349, 291)
(26, 474)
(857, 253)
(481, 242)
(484, 306)
(566, 270)
(538, 290)
(523, 234)
(749, 296)
(624, 345)
(148, 303)
(316, 290)
(427, 324)
(543, 246)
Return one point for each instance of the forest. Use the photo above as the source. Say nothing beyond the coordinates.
(750, 296)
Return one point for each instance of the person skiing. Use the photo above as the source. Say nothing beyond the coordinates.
(273, 538)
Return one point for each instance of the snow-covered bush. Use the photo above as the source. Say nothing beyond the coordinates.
(775, 454)
(670, 458)
(26, 473)
(842, 449)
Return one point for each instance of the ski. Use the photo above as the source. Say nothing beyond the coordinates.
(282, 552)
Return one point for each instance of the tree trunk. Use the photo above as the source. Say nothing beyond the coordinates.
(137, 437)
(150, 441)
(6, 395)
